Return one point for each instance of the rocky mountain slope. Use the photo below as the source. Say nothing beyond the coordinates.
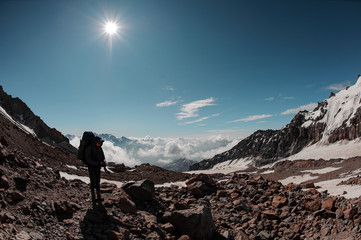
(334, 119)
(37, 203)
(21, 113)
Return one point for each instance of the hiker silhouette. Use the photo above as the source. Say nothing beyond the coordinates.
(95, 159)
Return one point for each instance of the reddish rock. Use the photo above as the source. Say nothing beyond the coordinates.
(270, 214)
(350, 213)
(309, 185)
(313, 205)
(328, 204)
(279, 201)
(184, 237)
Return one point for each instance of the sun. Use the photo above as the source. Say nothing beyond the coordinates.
(111, 28)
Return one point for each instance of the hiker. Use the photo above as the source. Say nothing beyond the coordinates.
(94, 157)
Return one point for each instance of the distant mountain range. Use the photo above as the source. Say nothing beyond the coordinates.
(336, 118)
(179, 165)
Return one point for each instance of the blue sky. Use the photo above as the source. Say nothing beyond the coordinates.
(177, 68)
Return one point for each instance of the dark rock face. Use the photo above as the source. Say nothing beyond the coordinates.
(141, 190)
(267, 146)
(21, 113)
(196, 222)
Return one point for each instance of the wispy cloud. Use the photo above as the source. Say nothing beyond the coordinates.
(169, 88)
(252, 118)
(289, 98)
(307, 107)
(166, 104)
(191, 109)
(270, 99)
(338, 86)
(200, 119)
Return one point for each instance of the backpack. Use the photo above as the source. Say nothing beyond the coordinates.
(88, 138)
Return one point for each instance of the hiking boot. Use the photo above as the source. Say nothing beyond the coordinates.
(99, 197)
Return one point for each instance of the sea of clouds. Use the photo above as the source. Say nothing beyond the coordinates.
(160, 151)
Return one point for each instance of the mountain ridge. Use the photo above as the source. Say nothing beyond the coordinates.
(334, 119)
(20, 112)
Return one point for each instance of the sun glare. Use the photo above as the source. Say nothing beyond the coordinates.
(111, 28)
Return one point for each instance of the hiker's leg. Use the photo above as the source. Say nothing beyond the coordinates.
(97, 184)
(92, 177)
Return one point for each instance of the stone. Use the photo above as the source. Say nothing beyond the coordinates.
(22, 236)
(36, 236)
(241, 235)
(309, 185)
(328, 204)
(119, 168)
(122, 235)
(141, 190)
(168, 227)
(196, 222)
(313, 205)
(4, 182)
(15, 196)
(21, 183)
(126, 205)
(64, 209)
(279, 201)
(96, 215)
(184, 237)
(350, 213)
(6, 217)
(270, 214)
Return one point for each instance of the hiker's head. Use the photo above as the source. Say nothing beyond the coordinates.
(99, 141)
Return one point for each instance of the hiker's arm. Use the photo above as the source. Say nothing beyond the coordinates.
(89, 158)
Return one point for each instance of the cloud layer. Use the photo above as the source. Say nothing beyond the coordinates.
(159, 151)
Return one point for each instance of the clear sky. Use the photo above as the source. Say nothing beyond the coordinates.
(176, 68)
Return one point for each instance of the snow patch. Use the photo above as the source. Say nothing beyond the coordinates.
(21, 126)
(72, 167)
(342, 149)
(179, 184)
(334, 190)
(226, 167)
(322, 171)
(86, 180)
(297, 179)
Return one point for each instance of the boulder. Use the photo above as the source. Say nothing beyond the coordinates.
(328, 204)
(279, 201)
(21, 183)
(126, 205)
(119, 168)
(196, 222)
(201, 185)
(4, 182)
(313, 205)
(141, 190)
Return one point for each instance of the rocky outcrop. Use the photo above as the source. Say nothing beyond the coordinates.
(337, 118)
(21, 113)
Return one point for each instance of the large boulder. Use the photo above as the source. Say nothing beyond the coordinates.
(196, 222)
(141, 190)
(201, 185)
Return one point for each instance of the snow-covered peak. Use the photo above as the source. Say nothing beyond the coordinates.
(336, 111)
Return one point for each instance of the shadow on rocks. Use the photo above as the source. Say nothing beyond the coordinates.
(98, 224)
